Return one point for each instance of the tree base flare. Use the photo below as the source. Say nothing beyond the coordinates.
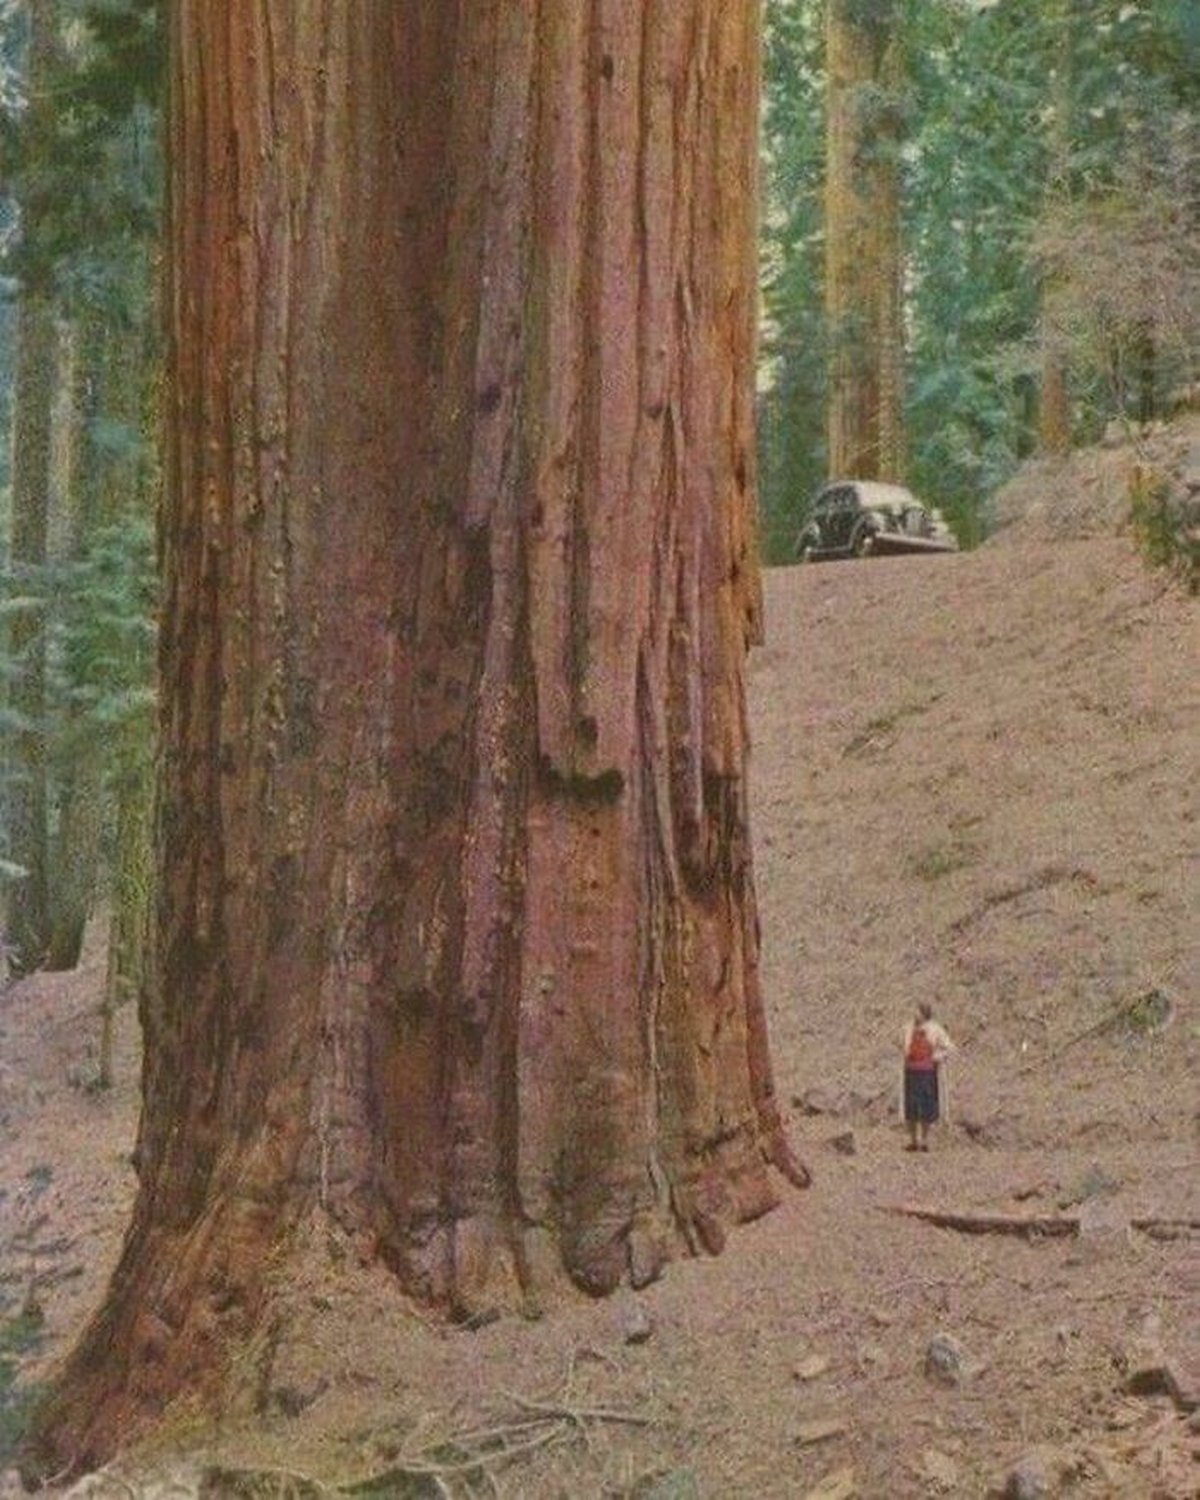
(263, 1339)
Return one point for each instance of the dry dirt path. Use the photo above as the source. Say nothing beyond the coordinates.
(975, 779)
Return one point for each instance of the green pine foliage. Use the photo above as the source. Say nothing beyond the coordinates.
(792, 381)
(79, 225)
(977, 236)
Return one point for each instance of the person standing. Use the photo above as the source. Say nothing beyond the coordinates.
(927, 1044)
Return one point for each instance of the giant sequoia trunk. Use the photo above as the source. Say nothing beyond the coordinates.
(457, 938)
(863, 258)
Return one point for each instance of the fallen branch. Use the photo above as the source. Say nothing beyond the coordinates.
(1169, 1229)
(579, 1415)
(473, 1452)
(1031, 1226)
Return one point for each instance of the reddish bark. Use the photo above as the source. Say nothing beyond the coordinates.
(457, 936)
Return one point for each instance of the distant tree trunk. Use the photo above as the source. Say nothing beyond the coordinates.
(129, 933)
(457, 939)
(863, 256)
(79, 772)
(1055, 419)
(1054, 423)
(33, 403)
(1146, 355)
(36, 367)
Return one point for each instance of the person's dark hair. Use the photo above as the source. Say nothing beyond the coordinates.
(925, 1011)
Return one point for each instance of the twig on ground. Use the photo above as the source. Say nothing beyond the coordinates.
(546, 1423)
(580, 1414)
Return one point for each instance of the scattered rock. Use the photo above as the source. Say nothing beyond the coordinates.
(1100, 1217)
(1144, 1361)
(940, 1470)
(871, 1356)
(842, 1484)
(947, 1360)
(845, 1144)
(674, 1484)
(819, 1430)
(637, 1326)
(811, 1367)
(1095, 1183)
(822, 1101)
(1151, 1372)
(1030, 1479)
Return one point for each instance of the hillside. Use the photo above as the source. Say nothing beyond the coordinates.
(975, 780)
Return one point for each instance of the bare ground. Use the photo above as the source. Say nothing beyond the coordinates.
(975, 781)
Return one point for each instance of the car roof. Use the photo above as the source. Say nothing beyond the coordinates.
(876, 492)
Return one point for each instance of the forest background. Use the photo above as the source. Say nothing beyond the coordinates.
(978, 241)
(1042, 159)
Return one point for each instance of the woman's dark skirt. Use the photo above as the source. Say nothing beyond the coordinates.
(921, 1095)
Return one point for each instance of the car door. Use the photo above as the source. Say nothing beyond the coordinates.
(842, 515)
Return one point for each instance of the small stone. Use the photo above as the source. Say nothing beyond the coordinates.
(946, 1360)
(841, 1484)
(940, 1469)
(845, 1144)
(637, 1326)
(819, 1431)
(821, 1101)
(675, 1484)
(1146, 1372)
(811, 1367)
(1029, 1479)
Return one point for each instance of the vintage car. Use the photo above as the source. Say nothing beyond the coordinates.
(861, 518)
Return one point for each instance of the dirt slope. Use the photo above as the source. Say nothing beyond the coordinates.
(975, 780)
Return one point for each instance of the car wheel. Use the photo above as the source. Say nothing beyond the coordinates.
(864, 543)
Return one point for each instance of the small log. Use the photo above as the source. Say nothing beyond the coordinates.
(1049, 1226)
(1041, 1226)
(1166, 1229)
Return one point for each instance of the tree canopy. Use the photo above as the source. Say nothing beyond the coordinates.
(979, 231)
